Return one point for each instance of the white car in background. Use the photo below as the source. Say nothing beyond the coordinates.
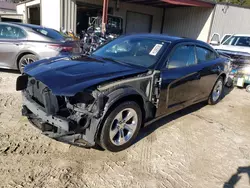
(237, 48)
(231, 44)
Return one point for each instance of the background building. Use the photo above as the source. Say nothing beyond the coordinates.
(196, 19)
(8, 12)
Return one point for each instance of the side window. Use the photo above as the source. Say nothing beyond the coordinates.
(227, 36)
(182, 56)
(11, 32)
(204, 55)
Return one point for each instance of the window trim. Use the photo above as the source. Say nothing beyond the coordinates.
(10, 39)
(201, 46)
(166, 64)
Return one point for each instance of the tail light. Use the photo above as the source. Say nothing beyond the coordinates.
(60, 48)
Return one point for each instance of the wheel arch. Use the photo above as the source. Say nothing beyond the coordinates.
(221, 75)
(117, 97)
(23, 53)
(224, 76)
(125, 94)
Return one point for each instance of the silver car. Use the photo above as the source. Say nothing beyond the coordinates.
(22, 44)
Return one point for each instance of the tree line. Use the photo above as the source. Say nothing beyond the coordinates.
(236, 2)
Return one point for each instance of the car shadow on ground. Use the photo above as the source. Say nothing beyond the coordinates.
(150, 128)
(235, 178)
(10, 71)
(227, 91)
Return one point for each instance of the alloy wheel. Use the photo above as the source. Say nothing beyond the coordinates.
(217, 90)
(25, 62)
(123, 126)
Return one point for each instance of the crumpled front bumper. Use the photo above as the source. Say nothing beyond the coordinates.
(54, 127)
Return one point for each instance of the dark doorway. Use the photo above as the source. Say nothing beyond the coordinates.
(84, 12)
(34, 15)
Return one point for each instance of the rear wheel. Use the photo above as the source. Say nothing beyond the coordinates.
(248, 88)
(121, 127)
(217, 92)
(26, 60)
(229, 83)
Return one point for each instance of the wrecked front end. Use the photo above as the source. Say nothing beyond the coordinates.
(63, 118)
(76, 119)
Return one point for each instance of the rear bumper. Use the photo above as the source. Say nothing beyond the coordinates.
(54, 127)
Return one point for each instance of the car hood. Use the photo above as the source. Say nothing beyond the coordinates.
(67, 76)
(233, 49)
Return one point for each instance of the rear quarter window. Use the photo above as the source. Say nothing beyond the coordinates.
(205, 55)
(49, 33)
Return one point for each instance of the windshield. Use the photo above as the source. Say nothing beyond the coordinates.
(142, 52)
(50, 33)
(238, 41)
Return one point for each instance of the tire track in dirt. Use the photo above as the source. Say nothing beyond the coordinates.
(13, 145)
(146, 154)
(50, 177)
(21, 148)
(8, 101)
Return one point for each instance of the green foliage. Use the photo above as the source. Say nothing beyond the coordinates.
(237, 2)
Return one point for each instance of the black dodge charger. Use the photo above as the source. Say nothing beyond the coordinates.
(105, 98)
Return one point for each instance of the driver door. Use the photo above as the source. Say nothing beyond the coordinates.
(180, 80)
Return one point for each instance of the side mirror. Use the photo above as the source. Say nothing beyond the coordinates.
(215, 43)
(215, 40)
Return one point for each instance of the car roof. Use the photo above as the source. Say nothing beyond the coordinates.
(157, 36)
(168, 38)
(30, 26)
(242, 35)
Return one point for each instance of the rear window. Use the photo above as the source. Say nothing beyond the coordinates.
(205, 55)
(50, 33)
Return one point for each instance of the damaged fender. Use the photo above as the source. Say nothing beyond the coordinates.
(146, 88)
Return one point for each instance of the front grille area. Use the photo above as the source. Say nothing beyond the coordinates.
(42, 95)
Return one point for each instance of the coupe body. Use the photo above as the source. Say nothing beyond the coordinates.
(106, 97)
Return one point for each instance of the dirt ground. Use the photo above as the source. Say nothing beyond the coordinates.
(201, 147)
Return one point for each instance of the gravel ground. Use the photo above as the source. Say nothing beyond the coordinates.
(201, 147)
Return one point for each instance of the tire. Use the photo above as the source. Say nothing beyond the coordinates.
(248, 88)
(115, 136)
(229, 83)
(217, 92)
(25, 60)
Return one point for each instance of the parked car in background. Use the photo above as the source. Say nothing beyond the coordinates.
(22, 44)
(106, 97)
(237, 48)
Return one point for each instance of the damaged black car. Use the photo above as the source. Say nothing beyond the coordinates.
(105, 98)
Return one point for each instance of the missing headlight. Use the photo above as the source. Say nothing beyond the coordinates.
(82, 97)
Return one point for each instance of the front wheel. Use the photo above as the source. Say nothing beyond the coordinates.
(121, 126)
(217, 92)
